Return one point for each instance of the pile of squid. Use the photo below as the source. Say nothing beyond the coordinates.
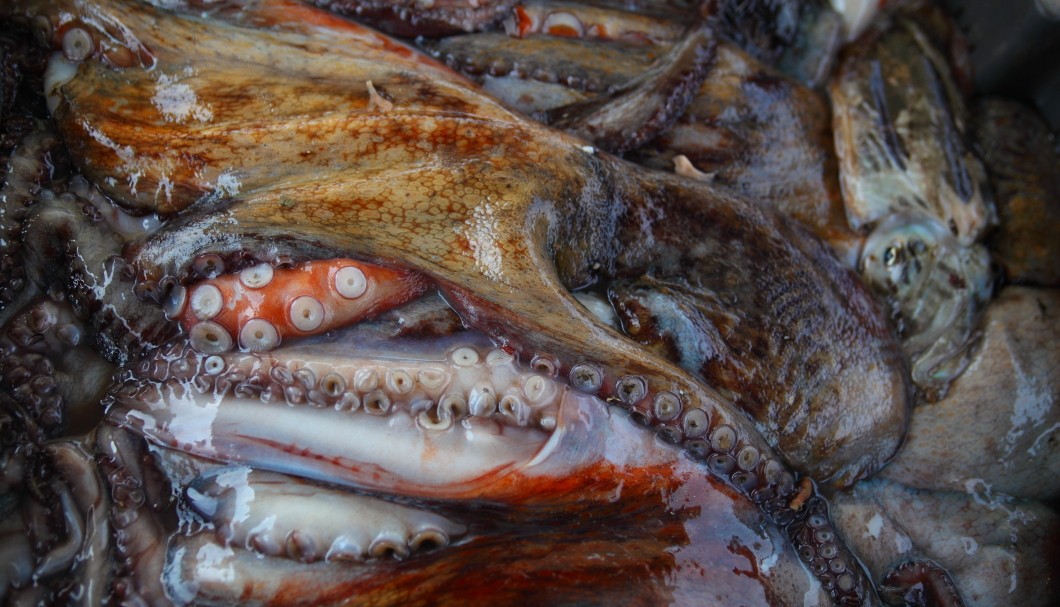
(544, 302)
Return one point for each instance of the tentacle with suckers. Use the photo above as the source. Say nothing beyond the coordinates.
(647, 105)
(276, 515)
(412, 18)
(262, 305)
(28, 169)
(139, 537)
(58, 549)
(48, 368)
(62, 249)
(86, 492)
(457, 396)
(664, 25)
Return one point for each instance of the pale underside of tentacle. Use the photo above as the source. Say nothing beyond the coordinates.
(349, 527)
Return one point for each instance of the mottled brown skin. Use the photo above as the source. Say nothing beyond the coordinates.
(748, 127)
(648, 104)
(1020, 157)
(761, 134)
(505, 215)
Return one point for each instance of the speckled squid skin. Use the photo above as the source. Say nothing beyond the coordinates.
(271, 142)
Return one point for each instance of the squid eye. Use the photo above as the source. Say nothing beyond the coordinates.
(892, 255)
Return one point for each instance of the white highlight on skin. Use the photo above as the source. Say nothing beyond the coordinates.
(192, 417)
(480, 230)
(211, 565)
(983, 494)
(228, 184)
(241, 494)
(902, 543)
(175, 301)
(171, 576)
(811, 598)
(769, 562)
(177, 101)
(1044, 435)
(857, 14)
(874, 526)
(1030, 408)
(123, 223)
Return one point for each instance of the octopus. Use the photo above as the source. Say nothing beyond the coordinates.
(298, 310)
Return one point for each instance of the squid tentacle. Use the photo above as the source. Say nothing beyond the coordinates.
(83, 496)
(83, 255)
(139, 537)
(27, 170)
(48, 369)
(409, 18)
(357, 527)
(650, 104)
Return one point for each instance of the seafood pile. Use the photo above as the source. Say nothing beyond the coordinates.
(546, 302)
